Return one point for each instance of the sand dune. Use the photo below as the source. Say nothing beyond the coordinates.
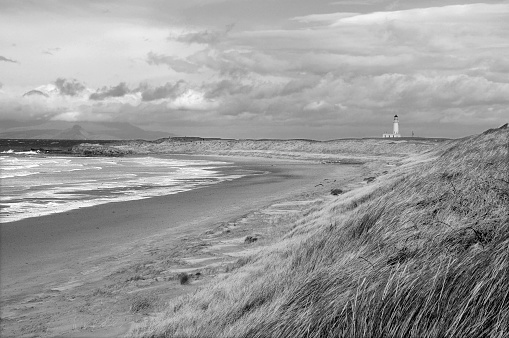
(420, 252)
(347, 150)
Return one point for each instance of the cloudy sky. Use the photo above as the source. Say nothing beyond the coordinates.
(259, 69)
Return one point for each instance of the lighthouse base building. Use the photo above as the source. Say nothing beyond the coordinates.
(390, 135)
(395, 129)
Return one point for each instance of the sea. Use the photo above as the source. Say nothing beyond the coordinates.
(34, 184)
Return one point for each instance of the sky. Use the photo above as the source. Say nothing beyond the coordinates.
(259, 69)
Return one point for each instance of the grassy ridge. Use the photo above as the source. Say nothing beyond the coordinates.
(423, 253)
(296, 149)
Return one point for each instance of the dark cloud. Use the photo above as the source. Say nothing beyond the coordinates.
(206, 36)
(69, 87)
(235, 63)
(117, 91)
(225, 87)
(231, 63)
(1, 85)
(3, 58)
(298, 85)
(178, 65)
(238, 63)
(168, 90)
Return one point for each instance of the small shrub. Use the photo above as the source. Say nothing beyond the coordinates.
(336, 192)
(250, 239)
(184, 278)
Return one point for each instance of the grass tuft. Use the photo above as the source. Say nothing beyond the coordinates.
(142, 303)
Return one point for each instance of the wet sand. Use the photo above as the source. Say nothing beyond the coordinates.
(63, 253)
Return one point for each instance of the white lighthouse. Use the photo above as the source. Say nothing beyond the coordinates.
(395, 128)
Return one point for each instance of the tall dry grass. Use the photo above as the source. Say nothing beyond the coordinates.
(424, 253)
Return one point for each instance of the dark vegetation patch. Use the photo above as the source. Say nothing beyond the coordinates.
(336, 191)
(250, 239)
(184, 278)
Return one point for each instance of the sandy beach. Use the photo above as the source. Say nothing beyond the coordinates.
(71, 274)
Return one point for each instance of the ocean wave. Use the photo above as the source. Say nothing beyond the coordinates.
(29, 152)
(17, 174)
(52, 203)
(67, 183)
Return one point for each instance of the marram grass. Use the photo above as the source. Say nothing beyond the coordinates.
(424, 253)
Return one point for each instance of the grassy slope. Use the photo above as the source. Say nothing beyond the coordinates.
(425, 253)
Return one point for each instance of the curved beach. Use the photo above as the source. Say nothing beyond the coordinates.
(46, 261)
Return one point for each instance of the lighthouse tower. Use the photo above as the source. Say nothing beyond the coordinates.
(395, 129)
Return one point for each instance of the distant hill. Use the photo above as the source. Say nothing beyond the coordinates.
(347, 151)
(77, 131)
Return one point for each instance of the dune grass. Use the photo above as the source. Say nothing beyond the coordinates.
(422, 253)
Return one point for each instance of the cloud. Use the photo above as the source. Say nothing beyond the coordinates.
(3, 58)
(225, 87)
(472, 13)
(318, 76)
(375, 43)
(192, 100)
(231, 62)
(323, 18)
(178, 65)
(165, 91)
(70, 116)
(318, 106)
(69, 87)
(205, 36)
(117, 91)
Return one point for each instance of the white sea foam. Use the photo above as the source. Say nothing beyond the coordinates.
(30, 152)
(59, 184)
(18, 174)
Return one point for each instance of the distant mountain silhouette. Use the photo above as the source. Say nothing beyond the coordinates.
(77, 131)
(74, 133)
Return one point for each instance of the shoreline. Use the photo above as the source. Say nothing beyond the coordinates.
(71, 250)
(211, 172)
(39, 235)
